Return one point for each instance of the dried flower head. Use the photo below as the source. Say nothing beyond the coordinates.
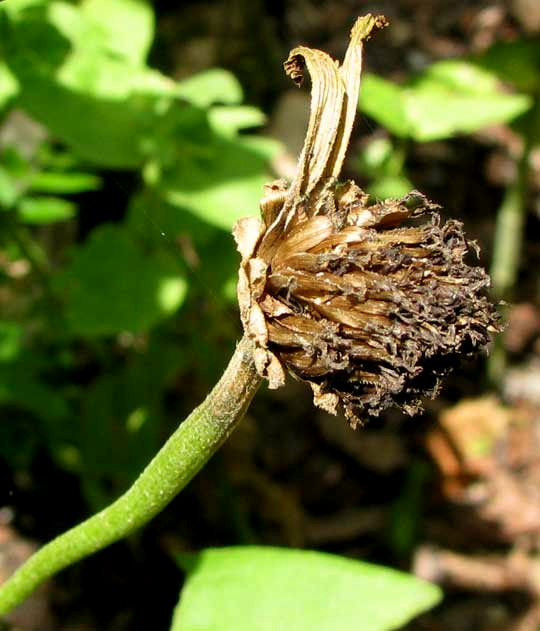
(369, 302)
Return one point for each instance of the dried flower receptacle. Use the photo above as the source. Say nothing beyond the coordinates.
(369, 302)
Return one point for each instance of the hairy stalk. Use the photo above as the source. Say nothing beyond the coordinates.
(182, 456)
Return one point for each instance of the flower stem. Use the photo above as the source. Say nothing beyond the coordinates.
(509, 232)
(178, 461)
(507, 251)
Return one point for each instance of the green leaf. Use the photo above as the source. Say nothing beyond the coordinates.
(43, 210)
(11, 335)
(457, 97)
(64, 182)
(128, 26)
(113, 285)
(383, 101)
(105, 108)
(209, 87)
(451, 97)
(230, 120)
(118, 431)
(264, 589)
(221, 203)
(517, 62)
(8, 85)
(220, 181)
(9, 191)
(16, 6)
(19, 384)
(159, 224)
(122, 421)
(390, 186)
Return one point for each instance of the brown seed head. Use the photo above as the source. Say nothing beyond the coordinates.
(369, 302)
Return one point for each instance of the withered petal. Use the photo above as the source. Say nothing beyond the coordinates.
(370, 302)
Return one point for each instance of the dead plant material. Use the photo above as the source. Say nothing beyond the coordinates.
(370, 302)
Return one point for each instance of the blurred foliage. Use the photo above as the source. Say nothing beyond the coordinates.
(449, 98)
(104, 312)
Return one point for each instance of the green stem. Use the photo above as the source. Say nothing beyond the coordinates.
(507, 248)
(30, 249)
(182, 456)
(509, 231)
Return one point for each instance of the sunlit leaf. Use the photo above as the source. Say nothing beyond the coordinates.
(390, 186)
(11, 334)
(9, 191)
(106, 109)
(128, 25)
(383, 100)
(211, 86)
(517, 62)
(113, 285)
(264, 589)
(229, 120)
(221, 203)
(43, 210)
(451, 97)
(64, 182)
(220, 182)
(8, 85)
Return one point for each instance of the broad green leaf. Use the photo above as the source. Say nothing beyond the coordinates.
(383, 100)
(209, 87)
(380, 158)
(219, 182)
(21, 385)
(451, 97)
(122, 421)
(164, 226)
(458, 97)
(160, 224)
(517, 62)
(266, 148)
(230, 120)
(92, 64)
(11, 335)
(390, 186)
(114, 134)
(128, 26)
(43, 210)
(9, 190)
(64, 182)
(19, 441)
(265, 589)
(462, 76)
(113, 285)
(8, 85)
(222, 202)
(16, 6)
(104, 108)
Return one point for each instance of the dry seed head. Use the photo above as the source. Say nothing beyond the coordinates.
(369, 302)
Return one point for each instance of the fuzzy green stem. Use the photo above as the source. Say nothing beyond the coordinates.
(182, 456)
